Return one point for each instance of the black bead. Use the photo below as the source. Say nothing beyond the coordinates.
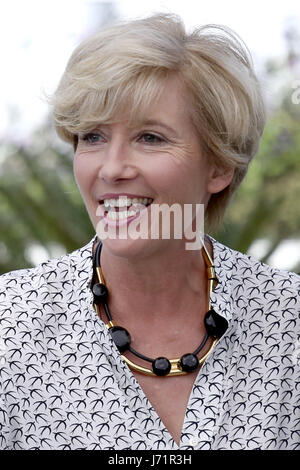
(189, 362)
(215, 324)
(100, 293)
(121, 337)
(161, 366)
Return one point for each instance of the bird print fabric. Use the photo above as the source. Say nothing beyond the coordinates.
(64, 385)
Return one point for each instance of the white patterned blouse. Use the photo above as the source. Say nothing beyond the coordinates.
(63, 384)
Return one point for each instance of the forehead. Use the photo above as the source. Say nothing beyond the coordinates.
(138, 103)
(172, 103)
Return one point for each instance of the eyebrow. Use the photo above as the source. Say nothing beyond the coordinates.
(153, 122)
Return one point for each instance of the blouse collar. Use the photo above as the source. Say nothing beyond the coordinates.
(81, 261)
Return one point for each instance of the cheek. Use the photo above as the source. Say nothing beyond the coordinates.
(83, 173)
(176, 174)
(165, 177)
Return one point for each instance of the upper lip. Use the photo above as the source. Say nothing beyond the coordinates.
(117, 195)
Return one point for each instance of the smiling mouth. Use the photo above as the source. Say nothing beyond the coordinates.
(120, 210)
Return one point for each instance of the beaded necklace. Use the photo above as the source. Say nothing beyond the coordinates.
(214, 323)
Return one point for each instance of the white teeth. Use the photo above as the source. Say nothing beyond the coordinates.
(122, 203)
(113, 215)
(125, 202)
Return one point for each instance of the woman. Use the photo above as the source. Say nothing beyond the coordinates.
(138, 342)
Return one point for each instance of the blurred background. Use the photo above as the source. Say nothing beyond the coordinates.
(41, 212)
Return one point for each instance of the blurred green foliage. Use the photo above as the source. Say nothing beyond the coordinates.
(39, 201)
(267, 203)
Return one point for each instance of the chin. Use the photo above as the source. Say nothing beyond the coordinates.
(140, 249)
(117, 238)
(129, 248)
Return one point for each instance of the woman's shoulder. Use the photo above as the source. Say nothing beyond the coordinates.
(39, 299)
(16, 281)
(254, 287)
(48, 276)
(262, 303)
(245, 267)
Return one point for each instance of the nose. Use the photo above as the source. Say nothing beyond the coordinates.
(116, 162)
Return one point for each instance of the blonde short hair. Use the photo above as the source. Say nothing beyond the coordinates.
(123, 67)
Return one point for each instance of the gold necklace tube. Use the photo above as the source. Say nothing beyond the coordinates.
(175, 363)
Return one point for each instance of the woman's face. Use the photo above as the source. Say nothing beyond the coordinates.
(161, 159)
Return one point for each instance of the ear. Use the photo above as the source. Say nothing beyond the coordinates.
(219, 178)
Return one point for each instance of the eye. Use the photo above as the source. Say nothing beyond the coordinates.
(150, 138)
(91, 137)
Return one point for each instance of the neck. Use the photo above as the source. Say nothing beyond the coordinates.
(163, 286)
